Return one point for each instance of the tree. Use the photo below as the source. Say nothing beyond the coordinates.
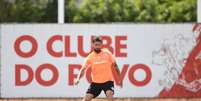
(132, 11)
(28, 11)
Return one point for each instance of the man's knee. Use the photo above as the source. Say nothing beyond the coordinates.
(109, 94)
(88, 97)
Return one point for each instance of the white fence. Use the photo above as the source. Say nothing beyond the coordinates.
(41, 60)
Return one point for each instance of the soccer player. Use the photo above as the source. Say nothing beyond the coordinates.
(102, 64)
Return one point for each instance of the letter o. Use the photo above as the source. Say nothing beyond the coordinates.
(25, 38)
(52, 80)
(147, 78)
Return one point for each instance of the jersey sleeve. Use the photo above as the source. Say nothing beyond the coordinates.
(87, 62)
(111, 57)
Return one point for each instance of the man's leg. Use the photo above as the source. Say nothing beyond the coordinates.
(108, 88)
(88, 97)
(93, 91)
(109, 94)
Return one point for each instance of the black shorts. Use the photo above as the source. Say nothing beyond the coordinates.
(96, 88)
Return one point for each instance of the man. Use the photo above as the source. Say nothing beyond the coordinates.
(102, 63)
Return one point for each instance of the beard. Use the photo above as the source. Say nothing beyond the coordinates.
(97, 50)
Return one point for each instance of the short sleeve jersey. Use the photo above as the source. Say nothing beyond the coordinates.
(101, 66)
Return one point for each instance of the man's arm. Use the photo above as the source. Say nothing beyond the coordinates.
(80, 75)
(118, 73)
(116, 68)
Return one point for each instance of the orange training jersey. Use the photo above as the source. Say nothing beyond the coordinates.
(101, 65)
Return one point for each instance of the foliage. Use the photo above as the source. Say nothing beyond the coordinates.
(99, 11)
(133, 11)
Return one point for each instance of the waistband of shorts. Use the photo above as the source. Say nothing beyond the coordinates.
(103, 82)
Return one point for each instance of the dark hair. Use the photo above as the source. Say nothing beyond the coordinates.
(97, 39)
